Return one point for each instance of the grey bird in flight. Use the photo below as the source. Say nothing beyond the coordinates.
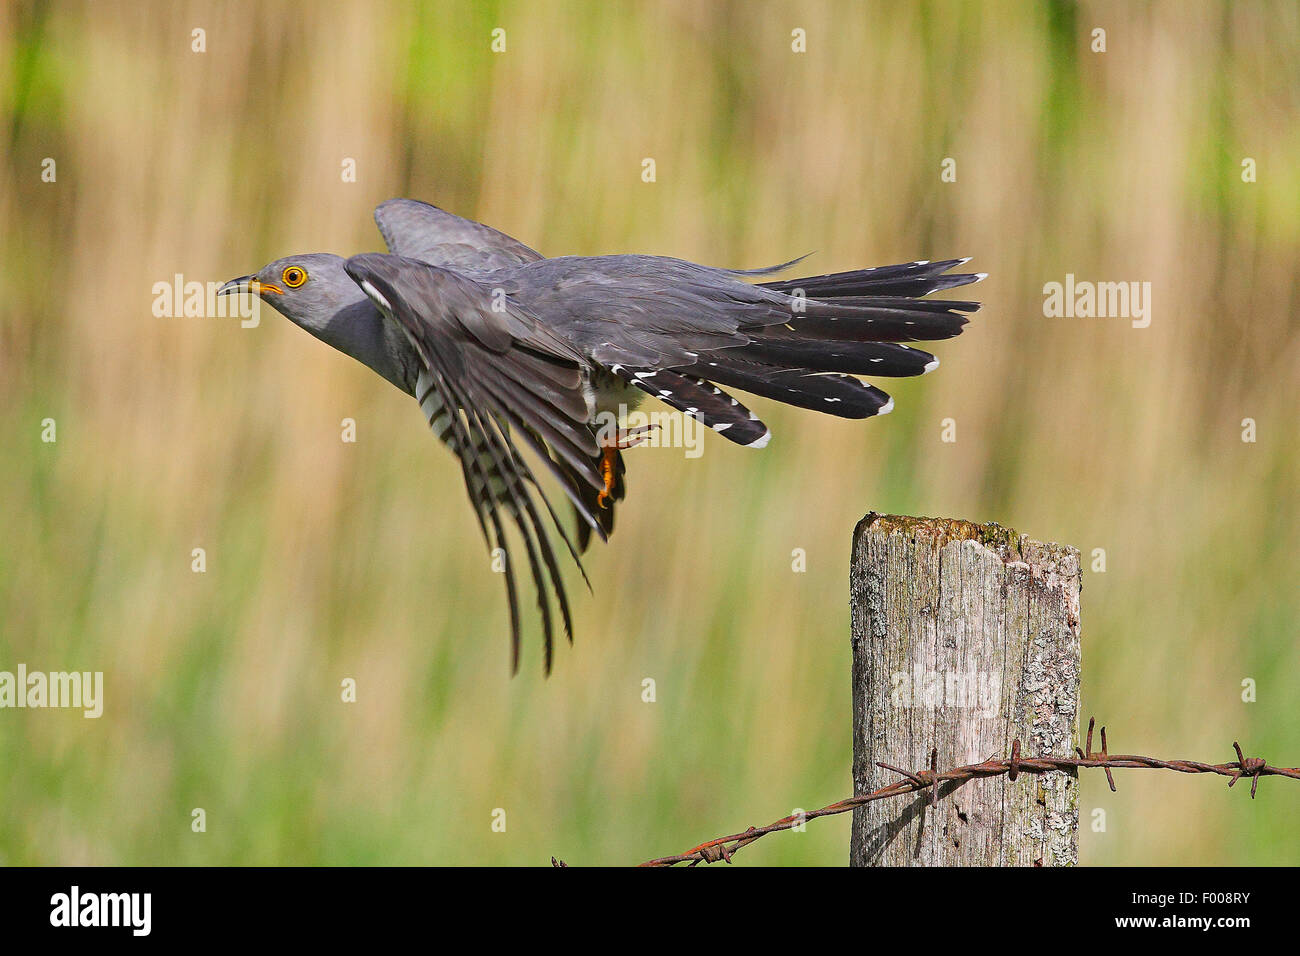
(505, 350)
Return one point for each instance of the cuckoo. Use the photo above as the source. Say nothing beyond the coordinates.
(507, 351)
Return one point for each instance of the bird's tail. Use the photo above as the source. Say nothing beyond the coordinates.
(908, 280)
(839, 326)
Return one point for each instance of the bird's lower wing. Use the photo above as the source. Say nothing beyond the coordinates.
(492, 374)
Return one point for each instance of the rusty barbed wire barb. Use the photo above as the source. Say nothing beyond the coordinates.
(724, 848)
(1105, 754)
(932, 777)
(1250, 766)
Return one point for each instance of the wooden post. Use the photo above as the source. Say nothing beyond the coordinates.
(965, 636)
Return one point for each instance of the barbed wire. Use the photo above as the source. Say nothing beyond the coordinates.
(723, 848)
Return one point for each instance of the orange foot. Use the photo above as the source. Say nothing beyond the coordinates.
(608, 458)
(626, 438)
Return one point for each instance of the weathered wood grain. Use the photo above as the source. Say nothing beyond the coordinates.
(965, 636)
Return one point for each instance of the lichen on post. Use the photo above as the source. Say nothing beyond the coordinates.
(965, 637)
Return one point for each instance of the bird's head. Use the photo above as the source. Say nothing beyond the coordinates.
(313, 292)
(309, 290)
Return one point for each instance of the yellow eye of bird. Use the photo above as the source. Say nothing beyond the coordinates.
(294, 277)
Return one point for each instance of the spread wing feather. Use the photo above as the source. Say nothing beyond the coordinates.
(497, 373)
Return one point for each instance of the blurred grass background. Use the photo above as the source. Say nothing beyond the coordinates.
(328, 560)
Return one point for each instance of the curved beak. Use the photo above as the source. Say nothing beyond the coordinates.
(250, 285)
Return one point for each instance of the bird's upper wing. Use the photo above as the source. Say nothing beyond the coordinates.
(494, 372)
(418, 230)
